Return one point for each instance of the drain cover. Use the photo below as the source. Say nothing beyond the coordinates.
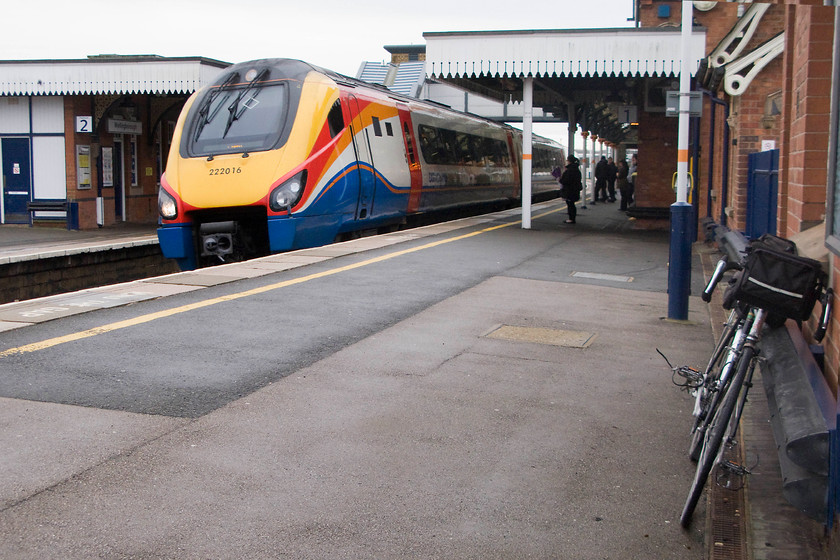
(556, 337)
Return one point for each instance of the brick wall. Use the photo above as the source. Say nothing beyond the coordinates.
(140, 200)
(808, 105)
(28, 279)
(657, 160)
(802, 192)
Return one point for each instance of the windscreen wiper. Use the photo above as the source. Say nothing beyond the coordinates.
(233, 108)
(205, 117)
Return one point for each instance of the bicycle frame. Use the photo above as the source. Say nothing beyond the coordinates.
(724, 424)
(714, 385)
(720, 392)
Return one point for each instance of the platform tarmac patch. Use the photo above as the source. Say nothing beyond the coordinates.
(542, 335)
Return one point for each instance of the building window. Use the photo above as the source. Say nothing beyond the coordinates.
(832, 217)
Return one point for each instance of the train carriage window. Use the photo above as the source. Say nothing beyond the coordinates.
(377, 129)
(466, 148)
(335, 119)
(389, 130)
(504, 151)
(539, 158)
(432, 145)
(450, 153)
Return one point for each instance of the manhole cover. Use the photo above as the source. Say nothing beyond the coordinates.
(556, 337)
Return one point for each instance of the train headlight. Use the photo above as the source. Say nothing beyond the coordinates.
(167, 206)
(288, 194)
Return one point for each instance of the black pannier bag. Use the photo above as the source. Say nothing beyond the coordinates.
(776, 279)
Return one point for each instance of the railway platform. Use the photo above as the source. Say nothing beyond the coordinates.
(19, 242)
(462, 390)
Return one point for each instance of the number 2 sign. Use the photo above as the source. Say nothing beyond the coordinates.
(84, 124)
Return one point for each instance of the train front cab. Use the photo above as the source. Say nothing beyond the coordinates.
(344, 191)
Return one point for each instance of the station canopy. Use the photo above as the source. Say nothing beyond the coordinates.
(108, 74)
(583, 77)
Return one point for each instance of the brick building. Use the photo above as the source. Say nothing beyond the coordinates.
(776, 103)
(93, 133)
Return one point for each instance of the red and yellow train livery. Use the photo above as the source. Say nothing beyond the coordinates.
(278, 154)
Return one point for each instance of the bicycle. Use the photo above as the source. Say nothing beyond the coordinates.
(721, 390)
(716, 376)
(706, 386)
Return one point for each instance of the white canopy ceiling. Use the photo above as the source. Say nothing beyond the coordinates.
(560, 53)
(118, 75)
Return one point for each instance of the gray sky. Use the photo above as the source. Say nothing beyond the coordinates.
(335, 34)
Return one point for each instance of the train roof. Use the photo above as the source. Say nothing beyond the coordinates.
(299, 69)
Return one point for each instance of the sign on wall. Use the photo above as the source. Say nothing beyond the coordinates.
(107, 166)
(83, 167)
(84, 124)
(120, 126)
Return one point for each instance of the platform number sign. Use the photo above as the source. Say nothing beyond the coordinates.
(628, 114)
(84, 124)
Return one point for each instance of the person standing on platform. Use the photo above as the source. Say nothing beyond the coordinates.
(623, 184)
(631, 178)
(571, 185)
(611, 176)
(601, 172)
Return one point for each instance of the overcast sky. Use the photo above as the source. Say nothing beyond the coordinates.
(335, 34)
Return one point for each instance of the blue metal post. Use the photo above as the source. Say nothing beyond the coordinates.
(679, 263)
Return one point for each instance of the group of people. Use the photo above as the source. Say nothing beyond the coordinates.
(608, 176)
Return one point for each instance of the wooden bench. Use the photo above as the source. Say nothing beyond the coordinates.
(52, 205)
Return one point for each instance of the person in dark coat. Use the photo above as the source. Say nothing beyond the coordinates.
(571, 185)
(601, 172)
(612, 170)
(623, 184)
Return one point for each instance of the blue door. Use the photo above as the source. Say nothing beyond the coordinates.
(762, 193)
(17, 180)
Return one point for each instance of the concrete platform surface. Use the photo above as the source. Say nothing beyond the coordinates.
(488, 392)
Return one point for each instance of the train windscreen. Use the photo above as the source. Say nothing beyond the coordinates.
(235, 117)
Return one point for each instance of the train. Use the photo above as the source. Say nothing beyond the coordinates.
(277, 154)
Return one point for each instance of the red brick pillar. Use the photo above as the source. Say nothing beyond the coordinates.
(808, 102)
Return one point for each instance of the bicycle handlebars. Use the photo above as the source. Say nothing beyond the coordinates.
(721, 267)
(825, 316)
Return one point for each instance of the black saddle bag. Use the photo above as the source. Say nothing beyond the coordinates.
(776, 279)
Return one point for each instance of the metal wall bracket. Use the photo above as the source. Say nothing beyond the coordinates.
(740, 73)
(739, 37)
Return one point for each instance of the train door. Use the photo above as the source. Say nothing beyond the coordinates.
(17, 180)
(364, 158)
(516, 161)
(412, 157)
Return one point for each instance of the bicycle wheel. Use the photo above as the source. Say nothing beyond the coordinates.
(715, 433)
(709, 398)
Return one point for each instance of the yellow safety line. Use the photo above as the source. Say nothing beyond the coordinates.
(36, 346)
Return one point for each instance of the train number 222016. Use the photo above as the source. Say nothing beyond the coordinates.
(225, 171)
